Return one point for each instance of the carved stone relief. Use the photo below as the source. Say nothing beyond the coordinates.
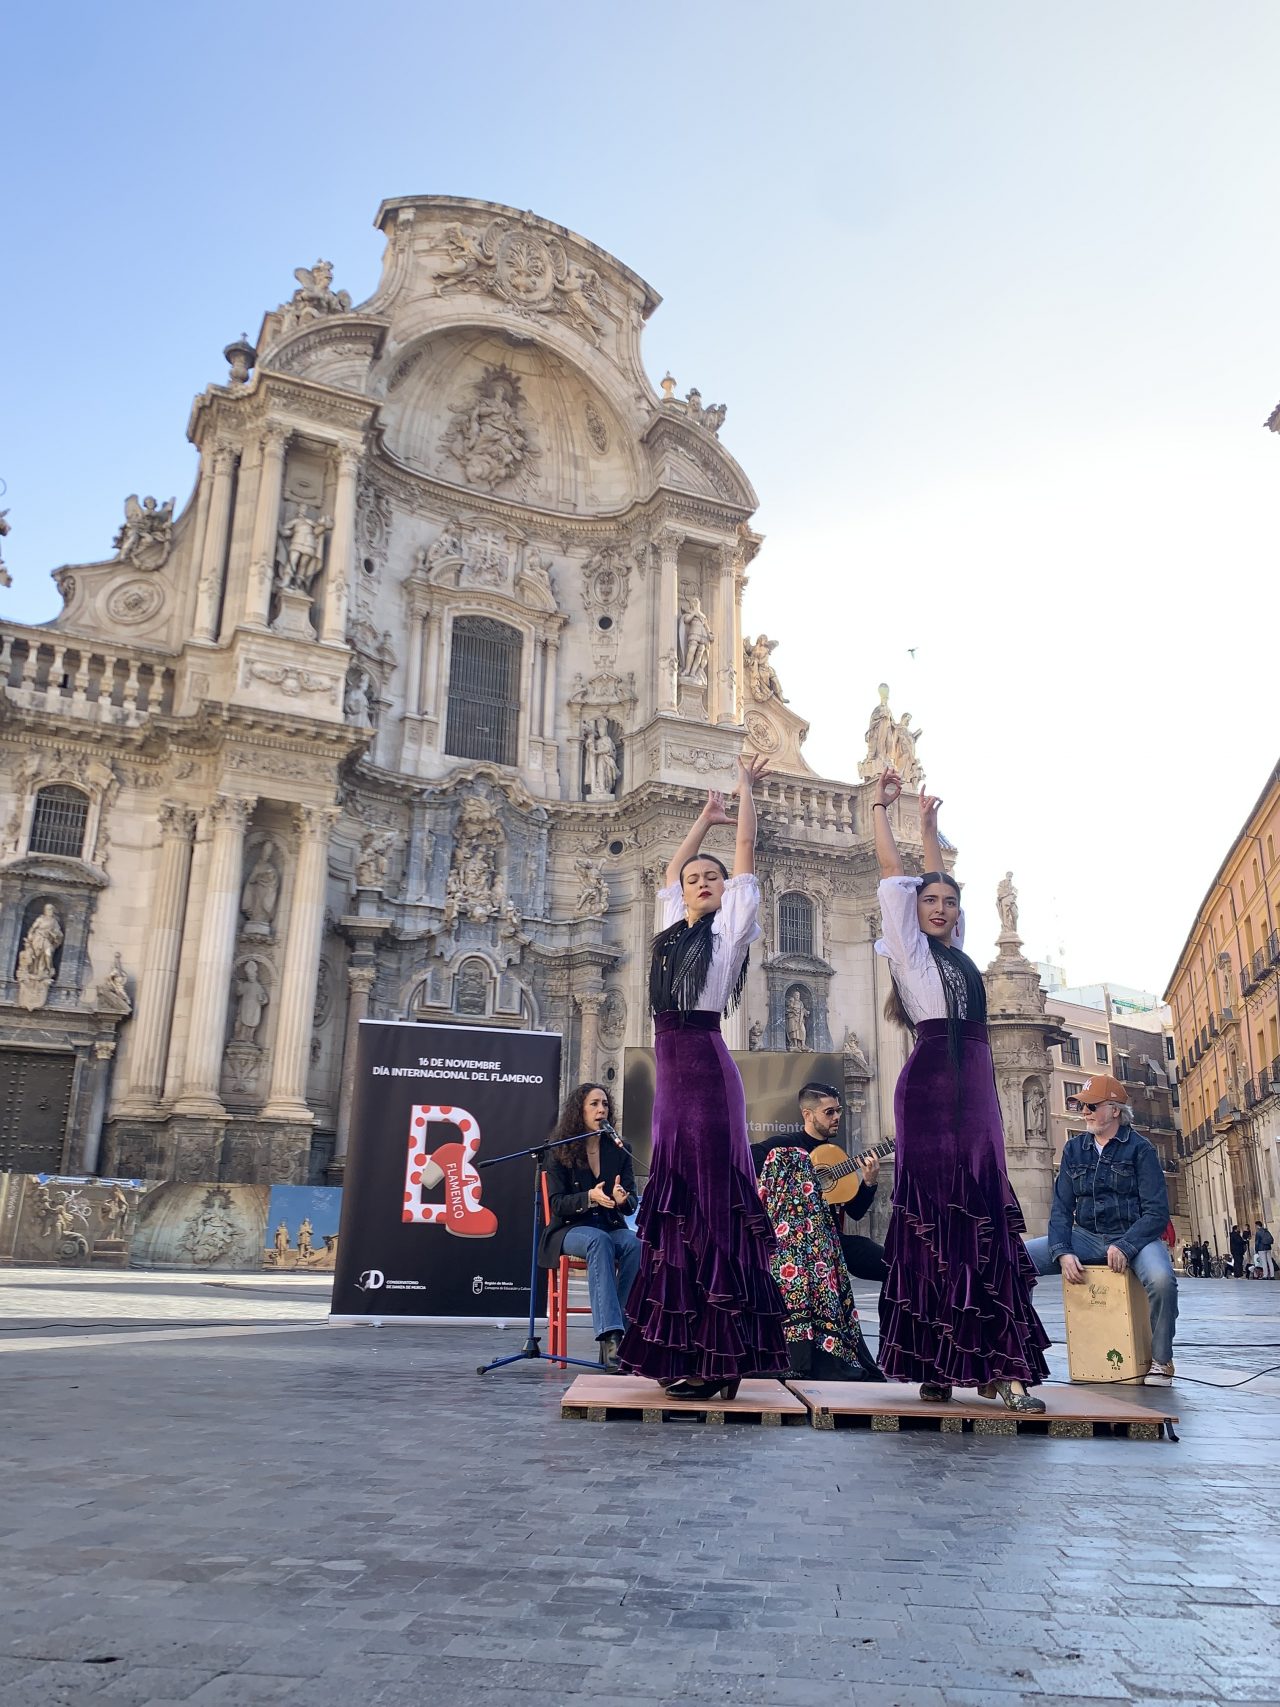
(146, 538)
(531, 272)
(489, 440)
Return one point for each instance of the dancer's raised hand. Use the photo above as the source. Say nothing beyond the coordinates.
(929, 804)
(752, 768)
(888, 787)
(714, 811)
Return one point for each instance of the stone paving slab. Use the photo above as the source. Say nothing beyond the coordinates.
(352, 1517)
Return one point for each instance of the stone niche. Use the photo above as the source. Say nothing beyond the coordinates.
(518, 422)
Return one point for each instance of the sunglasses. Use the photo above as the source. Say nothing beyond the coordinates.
(1087, 1107)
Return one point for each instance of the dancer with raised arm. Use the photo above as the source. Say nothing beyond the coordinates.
(704, 1310)
(956, 1306)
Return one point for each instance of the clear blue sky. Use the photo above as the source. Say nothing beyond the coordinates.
(991, 292)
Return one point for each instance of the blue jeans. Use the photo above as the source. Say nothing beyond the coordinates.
(1153, 1267)
(613, 1261)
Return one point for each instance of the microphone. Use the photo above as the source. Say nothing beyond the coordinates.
(616, 1136)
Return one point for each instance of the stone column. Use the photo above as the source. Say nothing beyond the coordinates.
(550, 662)
(159, 981)
(589, 1033)
(301, 963)
(413, 663)
(213, 557)
(341, 549)
(103, 1050)
(266, 524)
(431, 691)
(229, 814)
(728, 640)
(360, 981)
(668, 620)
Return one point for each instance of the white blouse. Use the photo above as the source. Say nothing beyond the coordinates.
(733, 929)
(906, 947)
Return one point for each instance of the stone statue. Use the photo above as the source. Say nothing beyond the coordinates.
(601, 755)
(360, 696)
(711, 417)
(881, 739)
(251, 1003)
(261, 893)
(755, 1035)
(303, 537)
(473, 890)
(282, 1240)
(762, 678)
(114, 1210)
(797, 1019)
(593, 891)
(904, 759)
(445, 548)
(306, 1233)
(855, 1056)
(694, 640)
(114, 988)
(486, 439)
(146, 538)
(316, 296)
(6, 579)
(1007, 905)
(374, 858)
(35, 968)
(538, 569)
(1035, 1110)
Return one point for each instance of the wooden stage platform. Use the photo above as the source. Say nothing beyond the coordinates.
(1072, 1412)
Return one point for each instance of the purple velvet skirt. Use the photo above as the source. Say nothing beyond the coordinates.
(704, 1304)
(956, 1306)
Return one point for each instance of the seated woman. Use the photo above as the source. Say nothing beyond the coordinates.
(824, 1336)
(592, 1188)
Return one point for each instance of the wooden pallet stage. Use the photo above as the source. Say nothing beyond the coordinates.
(609, 1398)
(1073, 1412)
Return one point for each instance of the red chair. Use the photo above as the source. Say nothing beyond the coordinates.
(559, 1309)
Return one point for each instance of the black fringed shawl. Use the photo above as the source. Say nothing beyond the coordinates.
(679, 964)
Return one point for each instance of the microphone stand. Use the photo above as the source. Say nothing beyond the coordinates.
(532, 1351)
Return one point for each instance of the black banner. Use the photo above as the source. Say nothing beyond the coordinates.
(771, 1078)
(427, 1232)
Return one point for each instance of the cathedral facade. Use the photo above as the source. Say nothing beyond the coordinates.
(402, 717)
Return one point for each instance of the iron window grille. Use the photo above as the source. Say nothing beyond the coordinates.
(58, 824)
(484, 691)
(795, 924)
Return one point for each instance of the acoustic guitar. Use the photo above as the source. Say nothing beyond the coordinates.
(838, 1172)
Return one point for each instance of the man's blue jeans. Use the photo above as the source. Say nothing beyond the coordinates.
(1153, 1267)
(613, 1260)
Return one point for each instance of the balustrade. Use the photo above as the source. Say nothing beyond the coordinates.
(83, 678)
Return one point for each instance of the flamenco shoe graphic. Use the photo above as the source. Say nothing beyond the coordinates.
(464, 1215)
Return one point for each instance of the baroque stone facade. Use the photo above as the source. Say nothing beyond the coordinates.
(403, 714)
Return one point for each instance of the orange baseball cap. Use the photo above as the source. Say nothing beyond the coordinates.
(1100, 1088)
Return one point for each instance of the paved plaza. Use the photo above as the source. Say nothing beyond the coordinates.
(213, 1497)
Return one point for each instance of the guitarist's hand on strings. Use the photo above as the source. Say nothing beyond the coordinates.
(869, 1168)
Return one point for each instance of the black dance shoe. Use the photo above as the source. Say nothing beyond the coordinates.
(692, 1389)
(609, 1344)
(936, 1392)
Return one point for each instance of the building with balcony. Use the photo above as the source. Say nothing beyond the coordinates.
(1226, 1013)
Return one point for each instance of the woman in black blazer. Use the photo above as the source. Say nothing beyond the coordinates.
(592, 1187)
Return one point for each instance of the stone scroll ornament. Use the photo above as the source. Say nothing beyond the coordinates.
(452, 1164)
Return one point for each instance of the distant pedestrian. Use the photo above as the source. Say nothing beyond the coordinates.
(1239, 1246)
(1263, 1244)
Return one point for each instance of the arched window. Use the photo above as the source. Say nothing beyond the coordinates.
(484, 691)
(795, 924)
(471, 989)
(57, 826)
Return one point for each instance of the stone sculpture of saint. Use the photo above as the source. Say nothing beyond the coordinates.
(856, 1056)
(306, 1232)
(602, 757)
(261, 893)
(797, 1022)
(282, 1239)
(34, 970)
(1036, 1112)
(761, 675)
(304, 544)
(1007, 904)
(695, 639)
(251, 1003)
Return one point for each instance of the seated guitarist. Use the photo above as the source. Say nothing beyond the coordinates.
(820, 1112)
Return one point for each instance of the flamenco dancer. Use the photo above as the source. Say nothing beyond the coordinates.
(704, 1310)
(956, 1306)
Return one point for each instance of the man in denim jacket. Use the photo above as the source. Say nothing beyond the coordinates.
(1111, 1205)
